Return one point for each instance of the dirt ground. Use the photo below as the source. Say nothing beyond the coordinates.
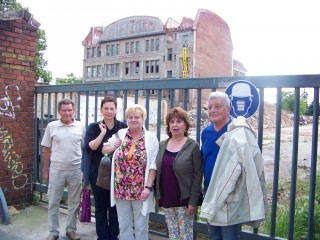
(286, 148)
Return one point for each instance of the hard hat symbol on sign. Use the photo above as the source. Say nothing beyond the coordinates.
(244, 98)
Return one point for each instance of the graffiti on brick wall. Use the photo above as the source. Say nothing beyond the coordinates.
(10, 101)
(13, 160)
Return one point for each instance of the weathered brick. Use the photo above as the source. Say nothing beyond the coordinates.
(17, 68)
(19, 46)
(9, 49)
(8, 55)
(17, 51)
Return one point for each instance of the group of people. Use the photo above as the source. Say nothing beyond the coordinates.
(144, 171)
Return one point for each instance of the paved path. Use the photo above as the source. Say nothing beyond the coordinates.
(31, 223)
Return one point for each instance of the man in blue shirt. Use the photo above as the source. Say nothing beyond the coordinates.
(219, 116)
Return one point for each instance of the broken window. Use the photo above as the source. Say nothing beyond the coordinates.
(127, 68)
(99, 71)
(157, 44)
(113, 70)
(185, 40)
(169, 74)
(94, 54)
(113, 50)
(127, 47)
(94, 71)
(108, 70)
(147, 66)
(157, 66)
(108, 50)
(152, 66)
(88, 72)
(147, 45)
(117, 49)
(99, 51)
(137, 67)
(137, 46)
(117, 66)
(169, 54)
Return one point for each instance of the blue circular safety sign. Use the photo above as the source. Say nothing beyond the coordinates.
(244, 98)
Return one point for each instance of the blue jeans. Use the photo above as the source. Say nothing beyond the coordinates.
(106, 230)
(224, 232)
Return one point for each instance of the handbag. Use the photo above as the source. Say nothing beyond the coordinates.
(104, 173)
(85, 206)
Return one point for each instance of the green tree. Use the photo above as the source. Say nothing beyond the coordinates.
(70, 79)
(10, 3)
(41, 63)
(309, 111)
(287, 101)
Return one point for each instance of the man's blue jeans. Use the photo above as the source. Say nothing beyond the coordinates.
(106, 230)
(224, 233)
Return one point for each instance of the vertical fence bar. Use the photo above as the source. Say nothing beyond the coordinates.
(86, 116)
(313, 167)
(96, 95)
(261, 114)
(159, 114)
(172, 98)
(185, 99)
(136, 96)
(147, 108)
(79, 105)
(125, 104)
(55, 105)
(276, 165)
(294, 164)
(41, 135)
(198, 127)
(36, 141)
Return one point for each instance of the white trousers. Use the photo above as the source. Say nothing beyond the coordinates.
(129, 216)
(58, 179)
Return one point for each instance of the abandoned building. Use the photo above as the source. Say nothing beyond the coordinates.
(143, 48)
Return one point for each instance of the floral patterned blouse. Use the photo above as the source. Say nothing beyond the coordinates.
(129, 171)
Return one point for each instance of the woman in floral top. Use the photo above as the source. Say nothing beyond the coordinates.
(133, 174)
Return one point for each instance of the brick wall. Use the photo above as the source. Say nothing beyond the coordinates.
(17, 81)
(214, 50)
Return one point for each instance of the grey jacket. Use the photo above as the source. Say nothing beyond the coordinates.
(187, 167)
(237, 189)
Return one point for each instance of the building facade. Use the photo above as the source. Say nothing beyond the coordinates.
(142, 47)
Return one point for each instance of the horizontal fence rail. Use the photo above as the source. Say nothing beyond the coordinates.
(158, 96)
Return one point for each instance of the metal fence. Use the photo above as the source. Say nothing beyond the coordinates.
(159, 95)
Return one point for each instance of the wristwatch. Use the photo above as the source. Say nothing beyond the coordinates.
(150, 188)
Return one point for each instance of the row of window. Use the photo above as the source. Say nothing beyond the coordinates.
(94, 52)
(130, 68)
(130, 48)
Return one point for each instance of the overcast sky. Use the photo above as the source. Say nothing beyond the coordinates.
(273, 37)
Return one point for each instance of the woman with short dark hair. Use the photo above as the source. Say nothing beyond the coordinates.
(107, 226)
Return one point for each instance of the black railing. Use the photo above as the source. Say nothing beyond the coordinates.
(159, 95)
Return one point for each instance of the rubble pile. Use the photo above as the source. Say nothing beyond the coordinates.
(269, 120)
